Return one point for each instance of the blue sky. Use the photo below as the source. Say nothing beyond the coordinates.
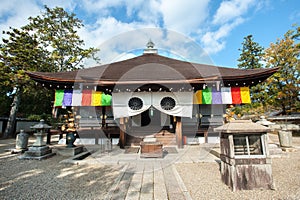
(208, 31)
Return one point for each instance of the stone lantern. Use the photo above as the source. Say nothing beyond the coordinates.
(39, 150)
(245, 161)
(41, 131)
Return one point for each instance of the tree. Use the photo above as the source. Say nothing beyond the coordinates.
(251, 54)
(56, 30)
(283, 86)
(251, 57)
(51, 44)
(18, 53)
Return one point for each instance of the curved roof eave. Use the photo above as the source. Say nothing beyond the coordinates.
(113, 73)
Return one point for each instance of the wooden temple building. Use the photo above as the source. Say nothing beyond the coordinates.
(151, 95)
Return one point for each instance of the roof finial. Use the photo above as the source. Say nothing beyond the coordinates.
(150, 48)
(150, 44)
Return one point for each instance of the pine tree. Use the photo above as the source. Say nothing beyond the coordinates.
(18, 53)
(56, 30)
(48, 43)
(250, 58)
(251, 54)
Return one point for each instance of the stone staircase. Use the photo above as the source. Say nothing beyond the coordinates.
(132, 141)
(164, 137)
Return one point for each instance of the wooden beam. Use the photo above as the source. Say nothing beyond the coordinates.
(179, 132)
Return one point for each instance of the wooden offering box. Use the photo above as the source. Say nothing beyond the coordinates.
(151, 150)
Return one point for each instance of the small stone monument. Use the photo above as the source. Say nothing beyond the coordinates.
(39, 150)
(21, 142)
(285, 138)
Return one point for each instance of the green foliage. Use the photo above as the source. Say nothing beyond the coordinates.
(34, 117)
(280, 91)
(54, 122)
(37, 102)
(20, 53)
(57, 29)
(251, 54)
(283, 87)
(49, 43)
(251, 58)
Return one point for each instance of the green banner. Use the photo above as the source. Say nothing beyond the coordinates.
(206, 96)
(59, 97)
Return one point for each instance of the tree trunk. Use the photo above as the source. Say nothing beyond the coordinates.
(283, 109)
(11, 123)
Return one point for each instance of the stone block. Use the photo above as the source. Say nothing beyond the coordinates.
(63, 151)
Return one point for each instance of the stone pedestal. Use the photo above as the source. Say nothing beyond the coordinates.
(71, 151)
(37, 153)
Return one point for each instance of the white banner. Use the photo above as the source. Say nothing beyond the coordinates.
(183, 103)
(226, 95)
(171, 103)
(120, 103)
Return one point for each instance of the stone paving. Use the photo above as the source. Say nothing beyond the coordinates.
(149, 178)
(146, 178)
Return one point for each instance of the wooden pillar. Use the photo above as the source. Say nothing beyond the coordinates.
(206, 135)
(122, 139)
(103, 117)
(179, 132)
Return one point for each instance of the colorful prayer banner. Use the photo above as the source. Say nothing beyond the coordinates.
(206, 96)
(245, 95)
(81, 98)
(59, 97)
(105, 100)
(86, 98)
(67, 101)
(216, 96)
(198, 97)
(96, 98)
(227, 95)
(76, 98)
(236, 95)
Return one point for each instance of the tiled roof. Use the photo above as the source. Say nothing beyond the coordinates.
(153, 68)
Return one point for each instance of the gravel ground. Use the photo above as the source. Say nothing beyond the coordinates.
(48, 179)
(203, 180)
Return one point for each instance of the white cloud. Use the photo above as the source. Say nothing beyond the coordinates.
(215, 41)
(67, 5)
(16, 16)
(184, 16)
(229, 10)
(189, 18)
(106, 28)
